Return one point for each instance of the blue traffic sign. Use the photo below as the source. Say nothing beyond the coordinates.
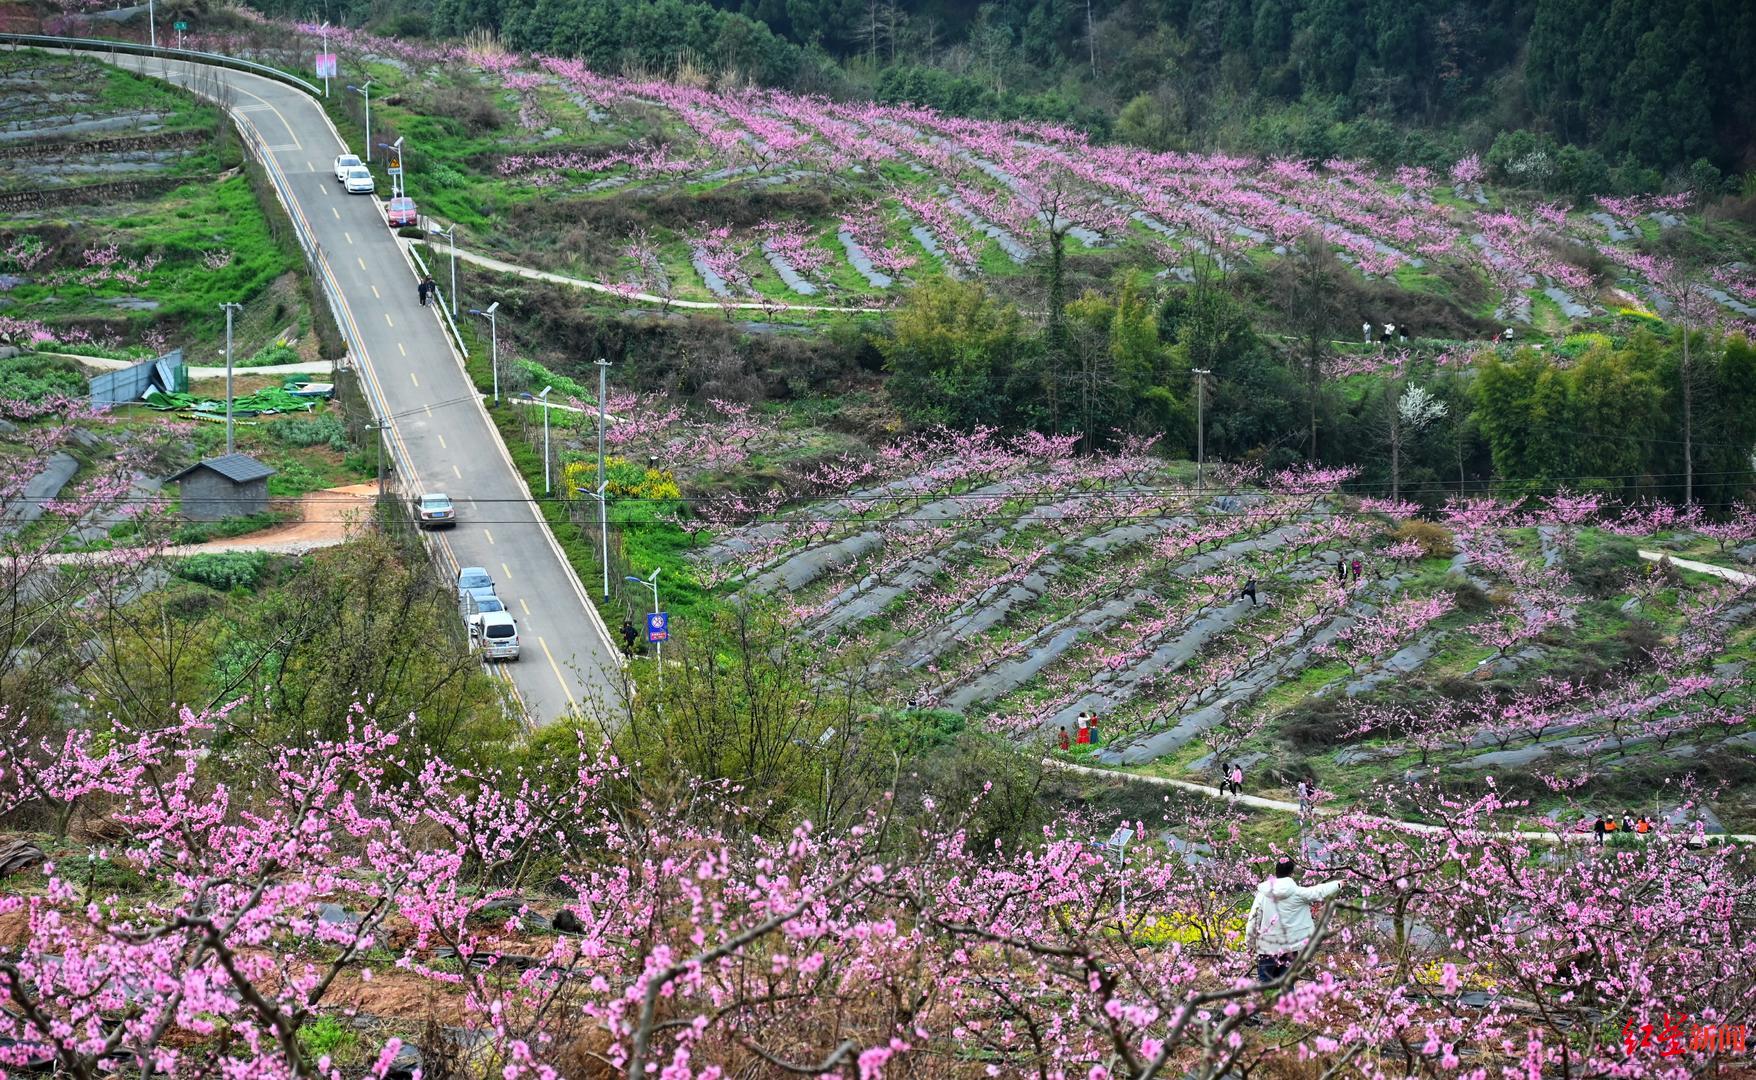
(658, 626)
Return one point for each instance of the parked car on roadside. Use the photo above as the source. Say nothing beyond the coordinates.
(343, 164)
(472, 577)
(434, 511)
(359, 181)
(496, 634)
(401, 212)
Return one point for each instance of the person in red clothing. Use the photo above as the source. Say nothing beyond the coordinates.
(1083, 738)
(1063, 737)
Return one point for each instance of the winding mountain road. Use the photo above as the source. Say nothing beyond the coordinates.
(440, 432)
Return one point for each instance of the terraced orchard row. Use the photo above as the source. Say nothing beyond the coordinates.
(542, 159)
(1022, 586)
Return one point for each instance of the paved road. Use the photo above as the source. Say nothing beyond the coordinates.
(445, 439)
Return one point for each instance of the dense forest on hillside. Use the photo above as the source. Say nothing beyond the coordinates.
(1548, 90)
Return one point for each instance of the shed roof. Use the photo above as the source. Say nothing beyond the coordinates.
(238, 468)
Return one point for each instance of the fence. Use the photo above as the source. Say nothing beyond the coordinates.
(51, 41)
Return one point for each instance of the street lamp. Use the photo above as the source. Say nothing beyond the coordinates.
(395, 170)
(1201, 375)
(152, 29)
(493, 342)
(366, 92)
(603, 530)
(652, 583)
(1118, 843)
(228, 309)
(450, 236)
(544, 398)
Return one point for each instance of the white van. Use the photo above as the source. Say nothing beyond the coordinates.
(496, 634)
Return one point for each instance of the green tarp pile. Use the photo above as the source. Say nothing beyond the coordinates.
(269, 400)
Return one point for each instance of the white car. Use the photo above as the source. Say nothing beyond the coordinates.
(359, 181)
(343, 164)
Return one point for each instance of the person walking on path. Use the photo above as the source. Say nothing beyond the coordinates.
(629, 635)
(1250, 591)
(1304, 799)
(1341, 569)
(1280, 923)
(426, 289)
(1237, 779)
(1598, 828)
(1357, 571)
(1225, 776)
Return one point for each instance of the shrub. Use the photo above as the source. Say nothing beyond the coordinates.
(1435, 540)
(1604, 572)
(224, 570)
(325, 429)
(33, 378)
(273, 355)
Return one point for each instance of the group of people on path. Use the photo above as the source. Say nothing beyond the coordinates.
(1086, 731)
(1343, 566)
(1231, 775)
(1604, 826)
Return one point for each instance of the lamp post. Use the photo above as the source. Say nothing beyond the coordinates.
(652, 583)
(1201, 375)
(603, 530)
(450, 236)
(325, 29)
(1118, 843)
(229, 309)
(152, 29)
(365, 91)
(544, 398)
(394, 169)
(494, 343)
(603, 372)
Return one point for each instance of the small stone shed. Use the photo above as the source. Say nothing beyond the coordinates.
(231, 485)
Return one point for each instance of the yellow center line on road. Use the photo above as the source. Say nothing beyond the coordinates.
(336, 212)
(521, 602)
(375, 295)
(556, 668)
(388, 320)
(441, 439)
(310, 167)
(405, 352)
(508, 571)
(361, 261)
(489, 535)
(414, 380)
(348, 236)
(455, 473)
(429, 408)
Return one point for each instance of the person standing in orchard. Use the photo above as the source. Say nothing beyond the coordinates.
(1280, 923)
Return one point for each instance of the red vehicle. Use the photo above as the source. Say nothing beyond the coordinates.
(400, 212)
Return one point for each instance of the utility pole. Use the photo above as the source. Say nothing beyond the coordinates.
(228, 309)
(325, 29)
(152, 28)
(1201, 375)
(603, 503)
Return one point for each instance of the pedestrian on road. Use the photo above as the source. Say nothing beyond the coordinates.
(1063, 738)
(629, 636)
(1250, 591)
(1237, 779)
(1304, 799)
(1280, 923)
(426, 290)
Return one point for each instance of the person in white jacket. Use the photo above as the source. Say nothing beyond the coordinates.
(1280, 921)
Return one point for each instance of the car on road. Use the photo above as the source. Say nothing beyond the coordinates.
(496, 634)
(480, 602)
(401, 212)
(472, 577)
(359, 181)
(343, 164)
(434, 511)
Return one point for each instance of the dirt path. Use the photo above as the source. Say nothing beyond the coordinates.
(325, 519)
(1260, 803)
(1729, 574)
